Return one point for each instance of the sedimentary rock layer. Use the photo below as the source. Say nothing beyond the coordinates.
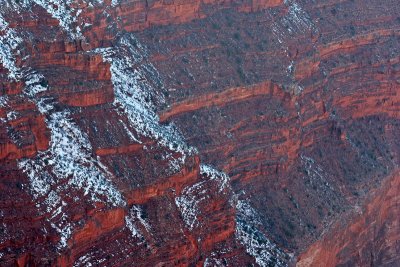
(201, 133)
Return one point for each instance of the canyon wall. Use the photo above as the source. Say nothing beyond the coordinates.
(199, 133)
(297, 103)
(371, 237)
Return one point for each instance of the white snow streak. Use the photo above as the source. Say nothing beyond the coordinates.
(256, 243)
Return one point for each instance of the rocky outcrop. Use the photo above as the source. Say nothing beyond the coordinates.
(138, 15)
(23, 131)
(315, 144)
(367, 237)
(96, 176)
(198, 133)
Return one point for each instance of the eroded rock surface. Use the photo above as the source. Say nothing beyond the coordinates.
(199, 133)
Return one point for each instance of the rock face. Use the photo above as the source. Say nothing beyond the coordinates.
(370, 238)
(199, 133)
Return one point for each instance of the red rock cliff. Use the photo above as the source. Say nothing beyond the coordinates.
(199, 133)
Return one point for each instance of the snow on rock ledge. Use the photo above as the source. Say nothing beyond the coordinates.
(136, 222)
(248, 233)
(135, 97)
(195, 195)
(68, 165)
(9, 41)
(214, 174)
(69, 158)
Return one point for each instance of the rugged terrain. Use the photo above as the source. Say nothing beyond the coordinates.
(199, 133)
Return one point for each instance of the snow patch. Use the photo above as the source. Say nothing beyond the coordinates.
(221, 177)
(62, 11)
(70, 158)
(9, 41)
(188, 203)
(315, 173)
(114, 3)
(135, 97)
(135, 220)
(213, 262)
(3, 101)
(86, 260)
(296, 21)
(248, 233)
(67, 164)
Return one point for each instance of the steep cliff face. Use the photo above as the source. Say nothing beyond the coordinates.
(89, 173)
(297, 103)
(369, 237)
(199, 133)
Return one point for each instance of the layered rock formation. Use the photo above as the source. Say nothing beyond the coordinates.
(371, 237)
(304, 125)
(199, 133)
